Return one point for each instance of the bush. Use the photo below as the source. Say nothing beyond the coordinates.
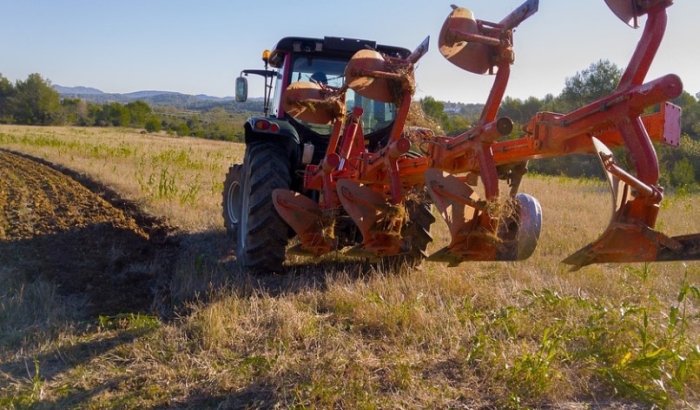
(153, 124)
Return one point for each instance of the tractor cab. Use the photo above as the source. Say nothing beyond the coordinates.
(323, 61)
(282, 146)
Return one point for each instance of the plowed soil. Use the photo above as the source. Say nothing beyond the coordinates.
(62, 227)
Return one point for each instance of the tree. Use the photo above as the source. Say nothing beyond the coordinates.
(7, 92)
(690, 120)
(455, 124)
(153, 124)
(599, 80)
(683, 173)
(181, 129)
(118, 115)
(139, 112)
(35, 101)
(520, 111)
(98, 115)
(75, 111)
(433, 109)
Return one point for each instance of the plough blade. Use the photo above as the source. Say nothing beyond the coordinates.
(630, 236)
(482, 231)
(307, 219)
(451, 197)
(624, 242)
(378, 221)
(629, 243)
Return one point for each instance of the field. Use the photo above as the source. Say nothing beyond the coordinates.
(119, 289)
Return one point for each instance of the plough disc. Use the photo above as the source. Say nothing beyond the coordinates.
(529, 226)
(358, 76)
(626, 10)
(471, 56)
(311, 102)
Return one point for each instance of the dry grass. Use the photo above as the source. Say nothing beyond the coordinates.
(335, 334)
(169, 176)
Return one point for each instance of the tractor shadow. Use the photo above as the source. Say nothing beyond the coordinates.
(206, 267)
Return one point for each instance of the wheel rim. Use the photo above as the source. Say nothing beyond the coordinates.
(530, 220)
(233, 203)
(242, 189)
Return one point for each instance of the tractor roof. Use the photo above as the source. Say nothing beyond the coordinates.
(330, 46)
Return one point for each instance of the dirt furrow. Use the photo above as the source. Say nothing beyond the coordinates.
(55, 228)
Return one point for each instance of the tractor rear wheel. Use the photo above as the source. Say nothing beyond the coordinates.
(262, 234)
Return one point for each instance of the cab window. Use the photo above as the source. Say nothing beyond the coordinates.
(377, 115)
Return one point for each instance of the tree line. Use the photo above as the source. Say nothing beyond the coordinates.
(680, 166)
(34, 102)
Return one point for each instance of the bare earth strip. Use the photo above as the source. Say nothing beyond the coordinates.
(54, 228)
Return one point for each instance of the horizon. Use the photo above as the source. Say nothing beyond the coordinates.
(195, 95)
(134, 92)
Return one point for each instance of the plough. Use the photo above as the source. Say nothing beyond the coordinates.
(381, 188)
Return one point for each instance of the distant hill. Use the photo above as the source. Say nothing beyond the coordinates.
(202, 102)
(77, 90)
(151, 97)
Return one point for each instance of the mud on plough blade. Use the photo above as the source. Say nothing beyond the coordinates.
(481, 230)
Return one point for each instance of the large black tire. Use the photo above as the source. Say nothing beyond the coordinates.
(417, 231)
(232, 201)
(262, 234)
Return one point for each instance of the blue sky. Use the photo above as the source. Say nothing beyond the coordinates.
(200, 47)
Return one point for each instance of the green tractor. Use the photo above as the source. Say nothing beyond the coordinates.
(279, 147)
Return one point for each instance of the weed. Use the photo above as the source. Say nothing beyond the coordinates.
(128, 321)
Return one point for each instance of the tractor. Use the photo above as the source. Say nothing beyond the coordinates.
(290, 140)
(335, 165)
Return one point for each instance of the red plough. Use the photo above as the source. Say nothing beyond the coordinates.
(378, 188)
(615, 120)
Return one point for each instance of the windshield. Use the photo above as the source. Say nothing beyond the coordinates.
(377, 115)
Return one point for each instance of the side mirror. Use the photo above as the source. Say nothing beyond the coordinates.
(241, 89)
